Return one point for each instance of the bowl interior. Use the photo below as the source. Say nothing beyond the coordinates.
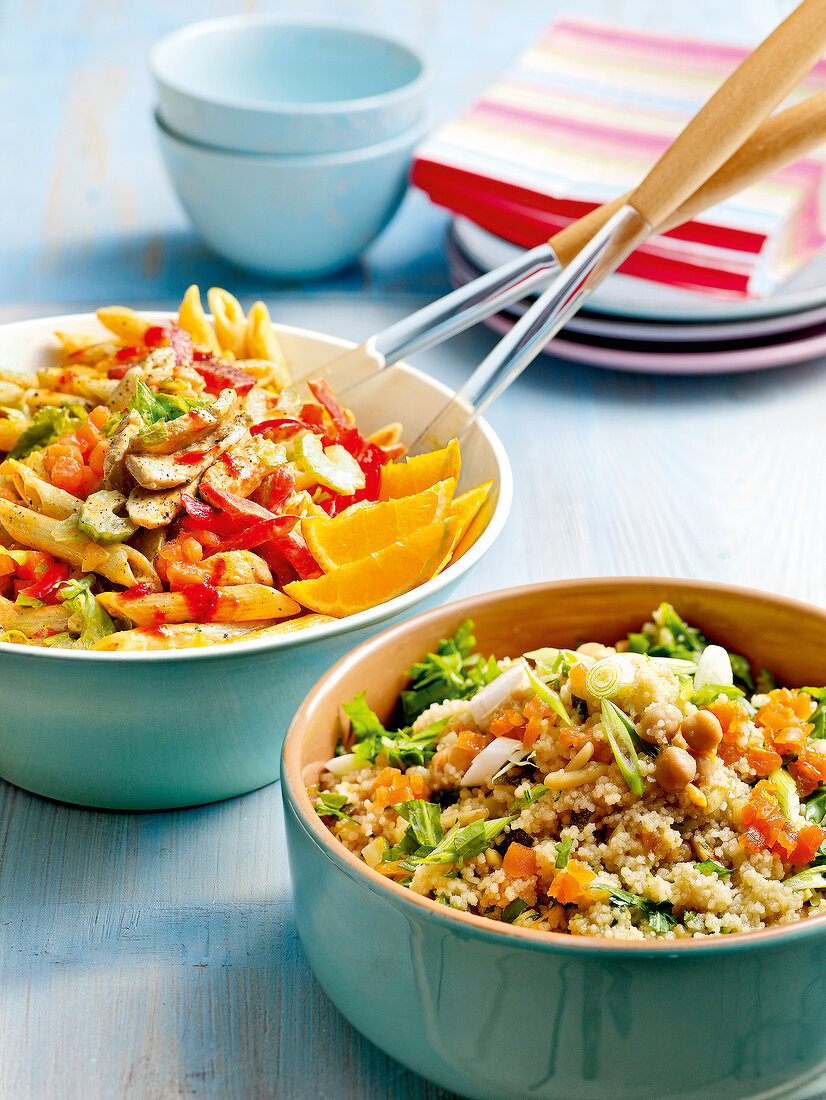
(785, 636)
(399, 393)
(282, 65)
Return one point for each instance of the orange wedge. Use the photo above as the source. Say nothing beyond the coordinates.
(377, 577)
(464, 510)
(403, 479)
(370, 526)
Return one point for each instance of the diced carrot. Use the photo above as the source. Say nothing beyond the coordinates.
(784, 716)
(519, 861)
(809, 770)
(764, 761)
(504, 724)
(538, 708)
(577, 678)
(570, 885)
(766, 827)
(471, 741)
(809, 839)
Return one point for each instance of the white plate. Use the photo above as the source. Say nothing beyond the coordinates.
(624, 296)
(463, 269)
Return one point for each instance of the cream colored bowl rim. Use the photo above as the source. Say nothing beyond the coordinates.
(45, 325)
(295, 793)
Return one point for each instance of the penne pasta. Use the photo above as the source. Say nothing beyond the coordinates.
(10, 432)
(262, 343)
(33, 620)
(229, 319)
(225, 604)
(40, 495)
(119, 563)
(127, 325)
(175, 636)
(192, 319)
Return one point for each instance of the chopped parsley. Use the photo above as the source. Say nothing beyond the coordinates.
(425, 844)
(513, 910)
(712, 867)
(402, 748)
(818, 718)
(453, 671)
(331, 805)
(563, 852)
(658, 914)
(671, 636)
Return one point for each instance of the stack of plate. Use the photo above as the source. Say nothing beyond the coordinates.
(631, 324)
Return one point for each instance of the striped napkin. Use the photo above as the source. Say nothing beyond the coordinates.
(581, 117)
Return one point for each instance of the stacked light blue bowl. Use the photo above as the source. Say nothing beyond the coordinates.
(288, 144)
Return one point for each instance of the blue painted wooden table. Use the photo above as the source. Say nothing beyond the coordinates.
(156, 955)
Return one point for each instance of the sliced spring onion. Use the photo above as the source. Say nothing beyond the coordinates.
(787, 795)
(499, 691)
(547, 695)
(557, 662)
(609, 675)
(485, 765)
(812, 878)
(714, 667)
(343, 765)
(622, 746)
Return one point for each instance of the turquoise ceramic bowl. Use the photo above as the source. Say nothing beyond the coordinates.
(501, 1013)
(290, 217)
(146, 731)
(256, 84)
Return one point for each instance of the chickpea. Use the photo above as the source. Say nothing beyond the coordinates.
(659, 723)
(593, 649)
(702, 731)
(706, 766)
(675, 769)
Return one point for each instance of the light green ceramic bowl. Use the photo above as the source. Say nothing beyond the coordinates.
(155, 730)
(501, 1013)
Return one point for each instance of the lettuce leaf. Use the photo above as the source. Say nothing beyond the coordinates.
(77, 596)
(48, 424)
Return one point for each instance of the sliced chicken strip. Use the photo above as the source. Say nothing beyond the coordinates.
(175, 435)
(168, 471)
(240, 469)
(115, 475)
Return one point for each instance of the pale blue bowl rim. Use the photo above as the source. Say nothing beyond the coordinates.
(263, 106)
(411, 136)
(495, 932)
(339, 627)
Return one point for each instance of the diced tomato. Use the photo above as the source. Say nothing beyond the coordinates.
(97, 456)
(98, 416)
(46, 583)
(519, 861)
(127, 353)
(87, 438)
(65, 467)
(155, 336)
(570, 885)
(219, 376)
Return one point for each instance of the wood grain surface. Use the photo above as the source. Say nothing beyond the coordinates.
(155, 956)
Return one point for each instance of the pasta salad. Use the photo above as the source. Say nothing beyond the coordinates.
(166, 486)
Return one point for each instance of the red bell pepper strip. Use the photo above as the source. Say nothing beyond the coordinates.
(155, 335)
(46, 584)
(258, 533)
(234, 505)
(277, 488)
(289, 550)
(324, 395)
(289, 426)
(220, 376)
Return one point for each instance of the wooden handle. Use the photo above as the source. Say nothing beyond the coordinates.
(778, 141)
(781, 139)
(752, 91)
